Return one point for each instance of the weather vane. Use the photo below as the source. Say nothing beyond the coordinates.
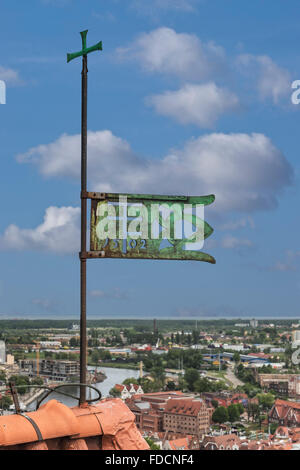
(133, 226)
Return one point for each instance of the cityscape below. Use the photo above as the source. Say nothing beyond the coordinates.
(187, 385)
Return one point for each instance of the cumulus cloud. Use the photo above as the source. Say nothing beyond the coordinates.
(188, 58)
(272, 81)
(195, 104)
(59, 233)
(10, 76)
(111, 159)
(246, 172)
(179, 54)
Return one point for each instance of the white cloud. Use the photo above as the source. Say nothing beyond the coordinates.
(116, 293)
(246, 172)
(289, 264)
(185, 56)
(111, 160)
(282, 267)
(97, 293)
(272, 81)
(237, 224)
(10, 76)
(180, 54)
(195, 104)
(59, 233)
(231, 242)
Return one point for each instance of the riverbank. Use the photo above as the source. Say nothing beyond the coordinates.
(114, 365)
(114, 375)
(34, 396)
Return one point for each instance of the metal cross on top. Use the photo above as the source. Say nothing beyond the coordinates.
(83, 339)
(85, 50)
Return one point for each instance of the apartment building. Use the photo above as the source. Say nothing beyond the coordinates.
(59, 371)
(186, 416)
(149, 408)
(288, 383)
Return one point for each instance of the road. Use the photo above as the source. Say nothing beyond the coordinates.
(232, 378)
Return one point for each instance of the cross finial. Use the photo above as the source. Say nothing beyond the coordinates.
(85, 50)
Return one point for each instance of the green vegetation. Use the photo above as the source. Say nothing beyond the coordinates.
(191, 358)
(266, 400)
(194, 383)
(5, 402)
(20, 381)
(232, 413)
(114, 392)
(214, 325)
(220, 415)
(151, 444)
(191, 377)
(2, 377)
(131, 380)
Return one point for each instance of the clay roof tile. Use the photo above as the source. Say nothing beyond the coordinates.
(58, 427)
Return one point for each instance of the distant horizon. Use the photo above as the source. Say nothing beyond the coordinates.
(150, 318)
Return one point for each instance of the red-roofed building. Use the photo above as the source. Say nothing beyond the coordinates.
(177, 444)
(148, 409)
(127, 391)
(225, 442)
(289, 434)
(260, 355)
(147, 418)
(225, 400)
(186, 416)
(285, 413)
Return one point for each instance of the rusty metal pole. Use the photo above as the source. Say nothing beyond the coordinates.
(83, 333)
(15, 397)
(83, 340)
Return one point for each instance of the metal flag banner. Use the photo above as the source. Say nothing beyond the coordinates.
(147, 226)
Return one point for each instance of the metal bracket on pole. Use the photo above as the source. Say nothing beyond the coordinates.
(93, 195)
(91, 254)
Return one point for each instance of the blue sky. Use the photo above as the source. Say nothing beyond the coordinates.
(187, 97)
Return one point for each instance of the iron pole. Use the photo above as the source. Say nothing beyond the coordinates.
(83, 332)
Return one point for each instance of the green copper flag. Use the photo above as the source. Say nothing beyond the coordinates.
(142, 226)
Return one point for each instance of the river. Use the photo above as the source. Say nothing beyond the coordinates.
(114, 376)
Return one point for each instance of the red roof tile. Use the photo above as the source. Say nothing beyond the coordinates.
(107, 425)
(184, 406)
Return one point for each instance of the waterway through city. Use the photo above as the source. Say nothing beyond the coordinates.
(113, 377)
